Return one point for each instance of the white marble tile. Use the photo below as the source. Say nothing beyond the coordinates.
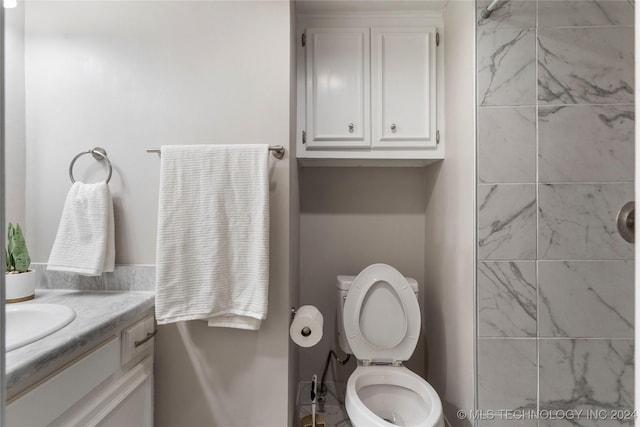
(578, 221)
(506, 67)
(586, 143)
(508, 14)
(506, 144)
(507, 372)
(585, 65)
(586, 299)
(506, 221)
(586, 374)
(585, 13)
(507, 299)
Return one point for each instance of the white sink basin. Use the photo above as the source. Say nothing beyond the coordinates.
(26, 323)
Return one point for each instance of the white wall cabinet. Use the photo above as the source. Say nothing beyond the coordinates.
(337, 85)
(403, 89)
(369, 94)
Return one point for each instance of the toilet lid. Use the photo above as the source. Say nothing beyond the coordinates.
(381, 315)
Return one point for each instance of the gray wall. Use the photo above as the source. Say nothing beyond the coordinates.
(449, 226)
(555, 163)
(134, 75)
(15, 149)
(351, 218)
(2, 207)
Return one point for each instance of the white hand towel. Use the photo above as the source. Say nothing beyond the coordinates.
(212, 253)
(85, 242)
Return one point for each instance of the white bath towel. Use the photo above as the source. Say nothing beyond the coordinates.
(212, 252)
(85, 242)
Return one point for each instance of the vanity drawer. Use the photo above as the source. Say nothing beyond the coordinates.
(137, 339)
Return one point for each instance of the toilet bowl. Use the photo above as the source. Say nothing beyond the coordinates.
(379, 323)
(391, 396)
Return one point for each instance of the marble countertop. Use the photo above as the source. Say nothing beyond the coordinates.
(98, 313)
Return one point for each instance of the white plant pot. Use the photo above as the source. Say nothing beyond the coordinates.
(20, 286)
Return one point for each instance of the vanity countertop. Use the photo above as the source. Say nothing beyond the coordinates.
(98, 314)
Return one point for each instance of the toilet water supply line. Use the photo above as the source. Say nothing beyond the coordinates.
(323, 385)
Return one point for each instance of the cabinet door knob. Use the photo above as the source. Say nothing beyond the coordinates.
(393, 127)
(351, 126)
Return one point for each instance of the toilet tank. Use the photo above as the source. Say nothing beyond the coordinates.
(343, 283)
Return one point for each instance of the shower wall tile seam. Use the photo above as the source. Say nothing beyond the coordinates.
(557, 28)
(619, 104)
(555, 183)
(490, 184)
(559, 338)
(508, 338)
(561, 260)
(569, 27)
(585, 260)
(537, 212)
(537, 130)
(489, 107)
(582, 182)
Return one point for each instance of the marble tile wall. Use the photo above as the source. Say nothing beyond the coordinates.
(555, 144)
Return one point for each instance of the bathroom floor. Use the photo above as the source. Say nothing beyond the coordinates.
(334, 412)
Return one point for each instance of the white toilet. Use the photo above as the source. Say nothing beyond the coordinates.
(379, 323)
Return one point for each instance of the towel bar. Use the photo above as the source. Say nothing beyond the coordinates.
(276, 150)
(99, 154)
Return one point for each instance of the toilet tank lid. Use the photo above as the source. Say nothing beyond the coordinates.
(344, 282)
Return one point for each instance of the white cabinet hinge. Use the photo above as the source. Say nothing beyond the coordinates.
(437, 39)
(304, 39)
(304, 137)
(437, 137)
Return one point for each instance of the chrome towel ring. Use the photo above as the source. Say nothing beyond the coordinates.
(99, 154)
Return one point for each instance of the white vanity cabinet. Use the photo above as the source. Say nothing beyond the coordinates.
(110, 386)
(369, 94)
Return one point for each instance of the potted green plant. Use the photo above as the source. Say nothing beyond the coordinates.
(20, 282)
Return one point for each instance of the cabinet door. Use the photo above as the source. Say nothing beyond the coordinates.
(134, 409)
(125, 401)
(337, 68)
(404, 87)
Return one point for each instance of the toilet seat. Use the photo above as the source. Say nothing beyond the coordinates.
(365, 344)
